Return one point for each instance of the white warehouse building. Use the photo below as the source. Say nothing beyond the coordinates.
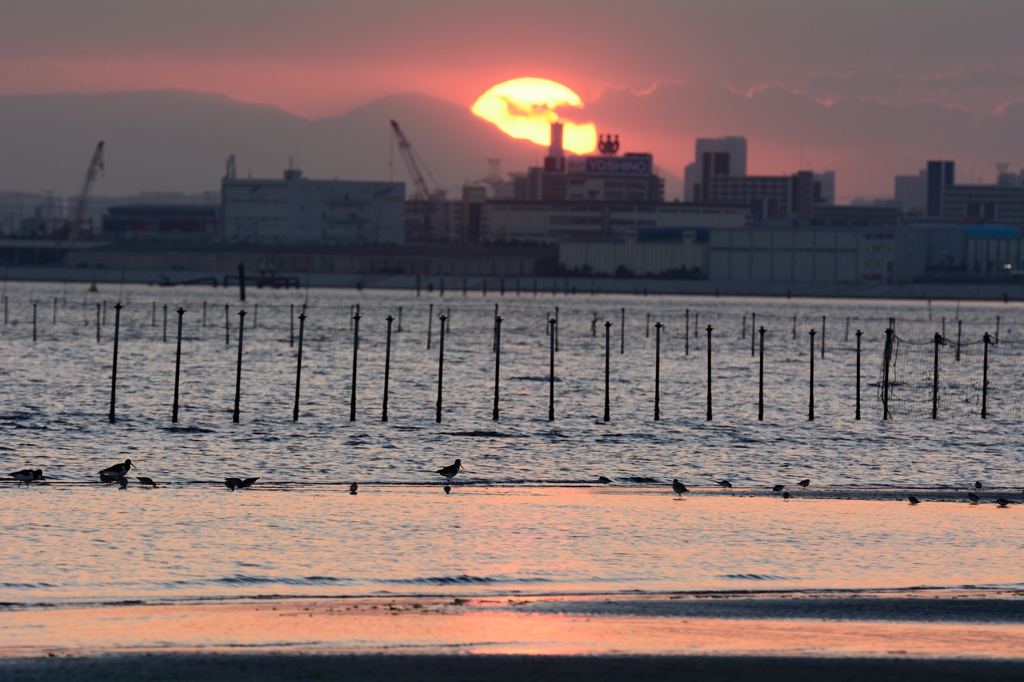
(296, 210)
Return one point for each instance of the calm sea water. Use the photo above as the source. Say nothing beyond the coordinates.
(510, 523)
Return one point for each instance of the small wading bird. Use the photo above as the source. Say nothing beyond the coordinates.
(604, 479)
(111, 474)
(778, 488)
(123, 482)
(449, 472)
(977, 485)
(786, 496)
(724, 483)
(146, 480)
(1002, 502)
(804, 483)
(447, 489)
(678, 488)
(914, 500)
(353, 488)
(26, 476)
(233, 483)
(973, 498)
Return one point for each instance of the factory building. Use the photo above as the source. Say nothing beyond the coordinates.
(295, 210)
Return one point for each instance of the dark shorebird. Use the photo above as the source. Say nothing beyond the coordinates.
(804, 483)
(108, 478)
(353, 488)
(724, 483)
(914, 500)
(678, 488)
(778, 488)
(247, 482)
(973, 498)
(233, 483)
(786, 496)
(449, 472)
(117, 471)
(977, 485)
(146, 480)
(123, 482)
(604, 479)
(26, 476)
(447, 489)
(1002, 502)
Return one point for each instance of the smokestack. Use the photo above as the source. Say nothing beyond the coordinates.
(555, 150)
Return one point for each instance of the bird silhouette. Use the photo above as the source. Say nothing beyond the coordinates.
(117, 471)
(604, 479)
(786, 496)
(247, 482)
(724, 483)
(977, 485)
(447, 489)
(123, 482)
(914, 500)
(449, 472)
(973, 498)
(778, 488)
(678, 487)
(1002, 502)
(353, 488)
(146, 480)
(26, 476)
(804, 483)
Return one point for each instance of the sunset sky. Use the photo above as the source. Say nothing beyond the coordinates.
(868, 88)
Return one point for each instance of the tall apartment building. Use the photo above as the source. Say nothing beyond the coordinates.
(713, 158)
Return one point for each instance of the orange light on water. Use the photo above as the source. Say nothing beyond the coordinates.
(525, 108)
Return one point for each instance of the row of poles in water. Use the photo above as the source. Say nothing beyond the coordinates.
(552, 332)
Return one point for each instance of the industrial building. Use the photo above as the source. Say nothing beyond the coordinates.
(162, 222)
(295, 210)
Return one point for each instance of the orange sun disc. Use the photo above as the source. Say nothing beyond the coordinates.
(524, 108)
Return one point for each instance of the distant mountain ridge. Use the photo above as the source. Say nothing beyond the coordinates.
(178, 141)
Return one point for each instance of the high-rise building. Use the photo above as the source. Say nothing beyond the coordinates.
(714, 157)
(940, 174)
(911, 191)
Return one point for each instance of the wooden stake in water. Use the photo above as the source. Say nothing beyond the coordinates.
(984, 377)
(743, 333)
(551, 373)
(241, 282)
(238, 366)
(686, 336)
(810, 403)
(430, 324)
(291, 324)
(857, 414)
(760, 380)
(165, 324)
(177, 368)
(943, 326)
(104, 313)
(696, 324)
(55, 310)
(753, 322)
(959, 334)
(846, 338)
(997, 330)
(440, 372)
(657, 369)
(355, 366)
(822, 337)
(886, 361)
(113, 371)
(387, 371)
(710, 329)
(935, 378)
(227, 327)
(34, 322)
(399, 318)
(298, 368)
(647, 333)
(497, 364)
(97, 323)
(255, 315)
(607, 369)
(5, 310)
(794, 326)
(556, 328)
(622, 334)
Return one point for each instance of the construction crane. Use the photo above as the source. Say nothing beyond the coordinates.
(74, 226)
(423, 194)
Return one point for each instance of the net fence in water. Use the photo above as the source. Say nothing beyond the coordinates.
(913, 392)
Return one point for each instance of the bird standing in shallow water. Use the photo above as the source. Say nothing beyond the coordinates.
(1002, 502)
(449, 472)
(146, 480)
(786, 496)
(233, 483)
(111, 474)
(913, 500)
(678, 488)
(353, 488)
(778, 488)
(973, 498)
(804, 483)
(247, 482)
(26, 476)
(123, 482)
(604, 479)
(977, 485)
(724, 483)
(447, 489)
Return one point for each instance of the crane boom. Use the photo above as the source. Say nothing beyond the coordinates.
(422, 191)
(95, 166)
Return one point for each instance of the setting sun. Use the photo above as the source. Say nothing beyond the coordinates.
(525, 108)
